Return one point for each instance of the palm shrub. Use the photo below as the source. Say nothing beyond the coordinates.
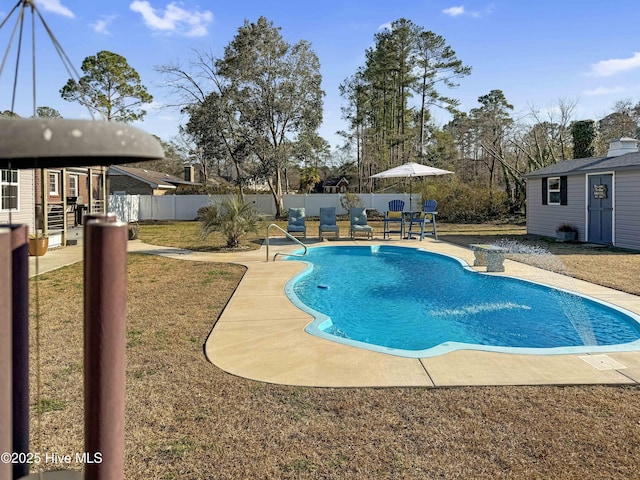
(233, 218)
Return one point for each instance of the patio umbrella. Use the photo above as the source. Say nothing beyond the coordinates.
(410, 170)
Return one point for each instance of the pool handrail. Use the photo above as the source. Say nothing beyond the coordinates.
(288, 235)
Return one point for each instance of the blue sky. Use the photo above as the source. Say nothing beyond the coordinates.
(536, 52)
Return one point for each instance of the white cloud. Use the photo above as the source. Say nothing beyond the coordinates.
(603, 91)
(102, 25)
(454, 11)
(56, 7)
(155, 105)
(607, 68)
(174, 19)
(385, 26)
(461, 10)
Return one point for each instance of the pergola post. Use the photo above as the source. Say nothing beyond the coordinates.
(105, 274)
(20, 344)
(46, 143)
(6, 440)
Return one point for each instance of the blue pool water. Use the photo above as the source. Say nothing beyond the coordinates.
(415, 303)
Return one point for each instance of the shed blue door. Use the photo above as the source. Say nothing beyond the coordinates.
(600, 208)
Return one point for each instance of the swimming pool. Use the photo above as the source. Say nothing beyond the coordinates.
(414, 303)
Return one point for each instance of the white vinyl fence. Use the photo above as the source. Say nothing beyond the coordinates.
(126, 207)
(185, 207)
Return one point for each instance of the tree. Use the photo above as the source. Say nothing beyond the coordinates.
(258, 107)
(584, 135)
(491, 121)
(309, 177)
(387, 126)
(622, 122)
(47, 112)
(354, 91)
(436, 63)
(215, 127)
(173, 162)
(275, 89)
(110, 87)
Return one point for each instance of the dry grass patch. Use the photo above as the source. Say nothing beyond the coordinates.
(187, 234)
(186, 419)
(611, 267)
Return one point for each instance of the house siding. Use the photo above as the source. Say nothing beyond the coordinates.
(627, 209)
(544, 219)
(25, 213)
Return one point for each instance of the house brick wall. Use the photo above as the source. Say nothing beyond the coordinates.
(124, 183)
(83, 184)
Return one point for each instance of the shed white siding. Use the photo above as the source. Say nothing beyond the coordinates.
(544, 219)
(627, 209)
(25, 213)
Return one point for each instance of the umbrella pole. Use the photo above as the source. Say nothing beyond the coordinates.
(410, 193)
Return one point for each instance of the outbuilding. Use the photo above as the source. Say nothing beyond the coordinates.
(599, 196)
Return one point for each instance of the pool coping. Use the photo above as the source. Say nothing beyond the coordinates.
(260, 335)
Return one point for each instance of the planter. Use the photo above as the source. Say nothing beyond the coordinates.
(38, 246)
(133, 231)
(566, 236)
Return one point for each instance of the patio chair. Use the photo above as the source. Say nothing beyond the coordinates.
(394, 219)
(296, 223)
(358, 222)
(328, 223)
(424, 218)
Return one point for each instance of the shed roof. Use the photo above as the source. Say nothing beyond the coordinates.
(582, 166)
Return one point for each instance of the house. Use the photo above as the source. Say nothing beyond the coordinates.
(600, 196)
(140, 181)
(69, 193)
(335, 185)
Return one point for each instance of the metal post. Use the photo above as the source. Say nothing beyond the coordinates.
(90, 210)
(6, 441)
(44, 198)
(20, 343)
(105, 272)
(63, 196)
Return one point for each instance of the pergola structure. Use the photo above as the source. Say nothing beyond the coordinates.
(53, 143)
(45, 143)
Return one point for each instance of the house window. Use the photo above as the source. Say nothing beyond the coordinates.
(9, 187)
(553, 190)
(73, 185)
(53, 184)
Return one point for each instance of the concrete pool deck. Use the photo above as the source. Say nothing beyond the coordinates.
(260, 334)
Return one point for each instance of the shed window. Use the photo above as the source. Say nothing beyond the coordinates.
(554, 190)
